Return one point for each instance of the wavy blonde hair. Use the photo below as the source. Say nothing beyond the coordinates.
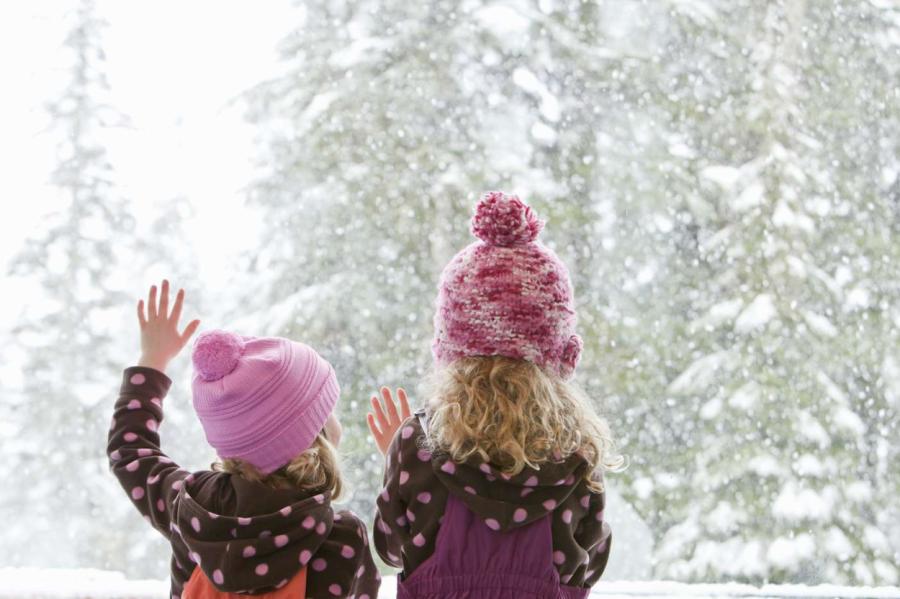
(513, 414)
(316, 470)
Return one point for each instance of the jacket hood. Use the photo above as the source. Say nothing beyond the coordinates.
(257, 541)
(505, 501)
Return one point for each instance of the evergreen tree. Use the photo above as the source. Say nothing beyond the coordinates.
(71, 337)
(782, 448)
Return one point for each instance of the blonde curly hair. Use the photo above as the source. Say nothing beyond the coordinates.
(513, 414)
(316, 470)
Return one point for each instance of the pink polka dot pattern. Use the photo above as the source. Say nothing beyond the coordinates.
(550, 504)
(424, 497)
(418, 540)
(144, 452)
(448, 467)
(585, 501)
(134, 404)
(137, 493)
(319, 498)
(115, 455)
(485, 468)
(319, 564)
(520, 514)
(281, 540)
(137, 379)
(335, 589)
(424, 455)
(285, 511)
(470, 490)
(262, 569)
(244, 521)
(385, 495)
(321, 528)
(308, 522)
(152, 480)
(160, 505)
(532, 481)
(410, 516)
(347, 551)
(407, 432)
(130, 437)
(404, 476)
(401, 520)
(526, 492)
(305, 555)
(218, 577)
(132, 466)
(151, 425)
(195, 523)
(567, 516)
(156, 402)
(492, 524)
(559, 558)
(249, 551)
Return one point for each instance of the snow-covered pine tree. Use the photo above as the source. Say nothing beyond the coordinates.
(783, 446)
(58, 493)
(376, 151)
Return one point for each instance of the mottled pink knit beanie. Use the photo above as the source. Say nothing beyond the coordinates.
(508, 294)
(261, 399)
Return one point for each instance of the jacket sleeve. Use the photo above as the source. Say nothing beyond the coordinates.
(391, 532)
(358, 576)
(594, 536)
(150, 479)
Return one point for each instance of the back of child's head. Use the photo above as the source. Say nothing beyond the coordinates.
(263, 403)
(505, 350)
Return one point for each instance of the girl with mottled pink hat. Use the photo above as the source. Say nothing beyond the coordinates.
(261, 521)
(495, 487)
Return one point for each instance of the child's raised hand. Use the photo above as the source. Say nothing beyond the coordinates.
(387, 424)
(160, 339)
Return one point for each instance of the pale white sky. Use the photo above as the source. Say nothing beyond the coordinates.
(173, 68)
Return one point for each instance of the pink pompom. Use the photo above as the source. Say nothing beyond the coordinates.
(505, 220)
(216, 353)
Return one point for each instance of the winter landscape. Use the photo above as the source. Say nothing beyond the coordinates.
(722, 178)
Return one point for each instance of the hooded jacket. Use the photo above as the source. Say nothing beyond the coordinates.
(246, 537)
(417, 484)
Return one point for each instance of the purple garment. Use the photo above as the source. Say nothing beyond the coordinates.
(471, 561)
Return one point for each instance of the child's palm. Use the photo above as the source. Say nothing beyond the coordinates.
(384, 423)
(160, 339)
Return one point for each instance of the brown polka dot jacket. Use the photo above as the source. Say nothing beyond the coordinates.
(417, 484)
(246, 537)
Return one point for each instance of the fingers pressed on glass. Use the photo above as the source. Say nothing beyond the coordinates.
(379, 412)
(389, 402)
(176, 309)
(151, 304)
(164, 299)
(404, 404)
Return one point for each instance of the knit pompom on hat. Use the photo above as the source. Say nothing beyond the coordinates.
(260, 399)
(507, 294)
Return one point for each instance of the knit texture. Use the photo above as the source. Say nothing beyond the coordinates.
(261, 399)
(507, 294)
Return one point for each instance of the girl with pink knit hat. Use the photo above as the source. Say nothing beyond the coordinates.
(261, 521)
(495, 488)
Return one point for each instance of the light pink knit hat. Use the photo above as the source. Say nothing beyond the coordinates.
(508, 294)
(261, 399)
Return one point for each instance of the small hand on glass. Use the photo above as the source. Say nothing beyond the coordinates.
(384, 425)
(160, 339)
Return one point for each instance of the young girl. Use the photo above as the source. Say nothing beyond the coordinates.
(495, 489)
(261, 522)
